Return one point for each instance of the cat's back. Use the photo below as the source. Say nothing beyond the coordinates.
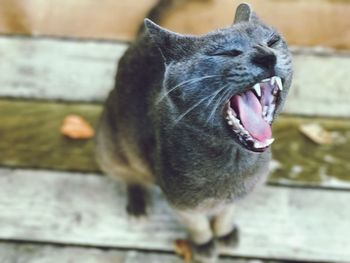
(125, 134)
(140, 70)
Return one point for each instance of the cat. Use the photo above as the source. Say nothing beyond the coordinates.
(193, 115)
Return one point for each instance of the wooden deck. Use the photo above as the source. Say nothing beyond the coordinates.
(57, 207)
(26, 73)
(89, 210)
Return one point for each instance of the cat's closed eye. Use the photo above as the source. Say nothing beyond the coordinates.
(229, 53)
(273, 40)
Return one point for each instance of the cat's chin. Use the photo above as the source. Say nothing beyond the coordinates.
(250, 114)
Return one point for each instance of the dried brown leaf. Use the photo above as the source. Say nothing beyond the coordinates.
(75, 127)
(316, 133)
(183, 249)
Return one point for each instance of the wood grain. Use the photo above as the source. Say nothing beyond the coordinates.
(84, 71)
(30, 137)
(299, 160)
(85, 209)
(61, 70)
(30, 253)
(307, 23)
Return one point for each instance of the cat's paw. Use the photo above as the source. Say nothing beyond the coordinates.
(136, 209)
(231, 239)
(137, 201)
(205, 253)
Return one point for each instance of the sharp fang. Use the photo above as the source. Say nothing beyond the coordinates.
(258, 144)
(269, 142)
(272, 80)
(256, 87)
(279, 83)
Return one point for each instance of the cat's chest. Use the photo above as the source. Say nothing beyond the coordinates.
(237, 178)
(195, 172)
(219, 182)
(230, 185)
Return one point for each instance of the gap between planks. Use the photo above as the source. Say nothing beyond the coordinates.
(34, 253)
(275, 223)
(53, 69)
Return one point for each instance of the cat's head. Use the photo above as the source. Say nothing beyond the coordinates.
(233, 80)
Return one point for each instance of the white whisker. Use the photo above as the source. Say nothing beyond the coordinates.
(217, 93)
(191, 81)
(219, 102)
(192, 108)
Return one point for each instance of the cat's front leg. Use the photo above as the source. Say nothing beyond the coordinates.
(137, 200)
(202, 238)
(226, 232)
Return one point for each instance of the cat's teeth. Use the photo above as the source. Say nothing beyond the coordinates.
(231, 113)
(270, 111)
(234, 122)
(239, 129)
(274, 80)
(279, 83)
(275, 91)
(257, 88)
(259, 145)
(237, 122)
(264, 111)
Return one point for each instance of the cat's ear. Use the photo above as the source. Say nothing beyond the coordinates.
(244, 13)
(173, 46)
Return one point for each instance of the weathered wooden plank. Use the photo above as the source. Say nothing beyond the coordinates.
(56, 69)
(84, 71)
(318, 88)
(10, 253)
(30, 253)
(301, 161)
(30, 137)
(284, 223)
(318, 22)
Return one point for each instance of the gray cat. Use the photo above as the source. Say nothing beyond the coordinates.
(193, 115)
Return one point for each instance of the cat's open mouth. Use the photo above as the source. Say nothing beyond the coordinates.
(250, 114)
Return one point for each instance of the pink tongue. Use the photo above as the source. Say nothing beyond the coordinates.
(250, 114)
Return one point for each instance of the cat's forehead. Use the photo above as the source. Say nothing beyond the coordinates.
(243, 33)
(249, 30)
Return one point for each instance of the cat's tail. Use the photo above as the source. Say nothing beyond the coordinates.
(159, 10)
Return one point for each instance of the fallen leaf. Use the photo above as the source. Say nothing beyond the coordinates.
(316, 133)
(183, 249)
(76, 127)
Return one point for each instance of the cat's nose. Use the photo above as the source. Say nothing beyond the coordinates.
(264, 58)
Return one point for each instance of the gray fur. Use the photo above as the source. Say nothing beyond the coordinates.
(164, 117)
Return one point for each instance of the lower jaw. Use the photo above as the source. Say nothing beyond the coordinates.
(246, 146)
(251, 148)
(244, 139)
(249, 114)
